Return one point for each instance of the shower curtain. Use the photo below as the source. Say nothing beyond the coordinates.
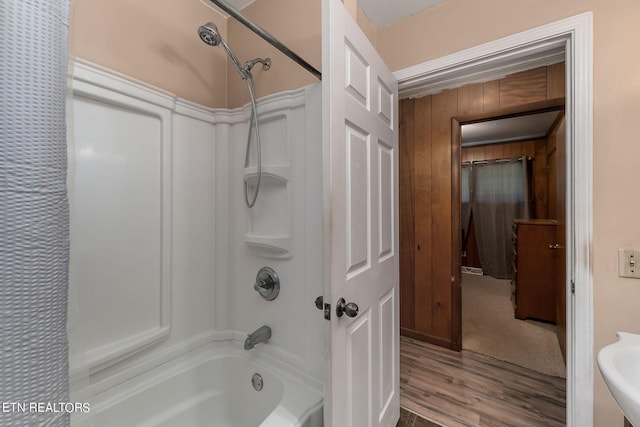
(465, 209)
(501, 192)
(34, 219)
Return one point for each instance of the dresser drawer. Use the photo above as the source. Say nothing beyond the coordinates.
(534, 282)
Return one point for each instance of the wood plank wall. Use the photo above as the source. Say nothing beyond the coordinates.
(501, 151)
(427, 297)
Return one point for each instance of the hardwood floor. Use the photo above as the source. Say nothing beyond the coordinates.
(409, 419)
(468, 389)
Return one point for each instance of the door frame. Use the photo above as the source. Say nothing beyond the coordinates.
(456, 166)
(572, 38)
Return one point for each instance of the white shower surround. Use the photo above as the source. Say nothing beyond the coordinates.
(200, 284)
(213, 383)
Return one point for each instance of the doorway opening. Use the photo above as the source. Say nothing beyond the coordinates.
(511, 305)
(438, 126)
(572, 37)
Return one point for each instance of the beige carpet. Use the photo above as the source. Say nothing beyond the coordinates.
(489, 327)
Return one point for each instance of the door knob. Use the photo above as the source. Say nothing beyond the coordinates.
(556, 246)
(319, 302)
(348, 308)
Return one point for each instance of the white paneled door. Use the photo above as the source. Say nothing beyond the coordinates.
(361, 226)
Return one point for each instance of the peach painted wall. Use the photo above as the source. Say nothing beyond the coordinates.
(298, 25)
(155, 42)
(459, 24)
(365, 25)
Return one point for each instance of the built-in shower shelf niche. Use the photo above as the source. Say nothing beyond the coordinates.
(276, 173)
(282, 124)
(269, 246)
(269, 225)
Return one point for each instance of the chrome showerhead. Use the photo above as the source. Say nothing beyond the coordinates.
(209, 34)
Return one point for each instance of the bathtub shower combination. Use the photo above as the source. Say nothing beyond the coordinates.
(214, 387)
(178, 226)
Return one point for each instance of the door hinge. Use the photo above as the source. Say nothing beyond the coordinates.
(573, 287)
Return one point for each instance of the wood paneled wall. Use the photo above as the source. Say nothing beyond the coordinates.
(429, 286)
(501, 151)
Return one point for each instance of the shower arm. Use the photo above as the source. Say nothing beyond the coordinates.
(236, 63)
(226, 7)
(266, 64)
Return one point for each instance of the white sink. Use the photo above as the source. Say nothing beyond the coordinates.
(619, 365)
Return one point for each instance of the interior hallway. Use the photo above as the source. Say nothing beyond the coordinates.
(468, 389)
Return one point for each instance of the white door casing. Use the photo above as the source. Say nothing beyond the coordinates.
(360, 144)
(574, 37)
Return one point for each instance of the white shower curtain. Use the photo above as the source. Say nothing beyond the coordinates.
(34, 215)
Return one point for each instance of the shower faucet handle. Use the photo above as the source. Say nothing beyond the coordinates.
(267, 283)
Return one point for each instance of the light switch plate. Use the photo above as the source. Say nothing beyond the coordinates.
(629, 263)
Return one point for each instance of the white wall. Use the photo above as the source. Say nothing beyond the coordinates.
(160, 265)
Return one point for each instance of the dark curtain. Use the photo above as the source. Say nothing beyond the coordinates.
(501, 192)
(465, 207)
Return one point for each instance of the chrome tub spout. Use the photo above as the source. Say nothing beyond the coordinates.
(261, 334)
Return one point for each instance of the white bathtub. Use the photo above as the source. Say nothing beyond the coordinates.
(210, 388)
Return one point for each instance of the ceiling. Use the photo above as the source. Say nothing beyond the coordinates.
(384, 12)
(530, 126)
(379, 12)
(239, 4)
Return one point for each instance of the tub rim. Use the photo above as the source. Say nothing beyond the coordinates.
(301, 397)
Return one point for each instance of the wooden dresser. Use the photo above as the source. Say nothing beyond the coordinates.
(533, 289)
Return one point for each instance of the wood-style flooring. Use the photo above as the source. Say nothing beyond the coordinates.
(468, 389)
(409, 419)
